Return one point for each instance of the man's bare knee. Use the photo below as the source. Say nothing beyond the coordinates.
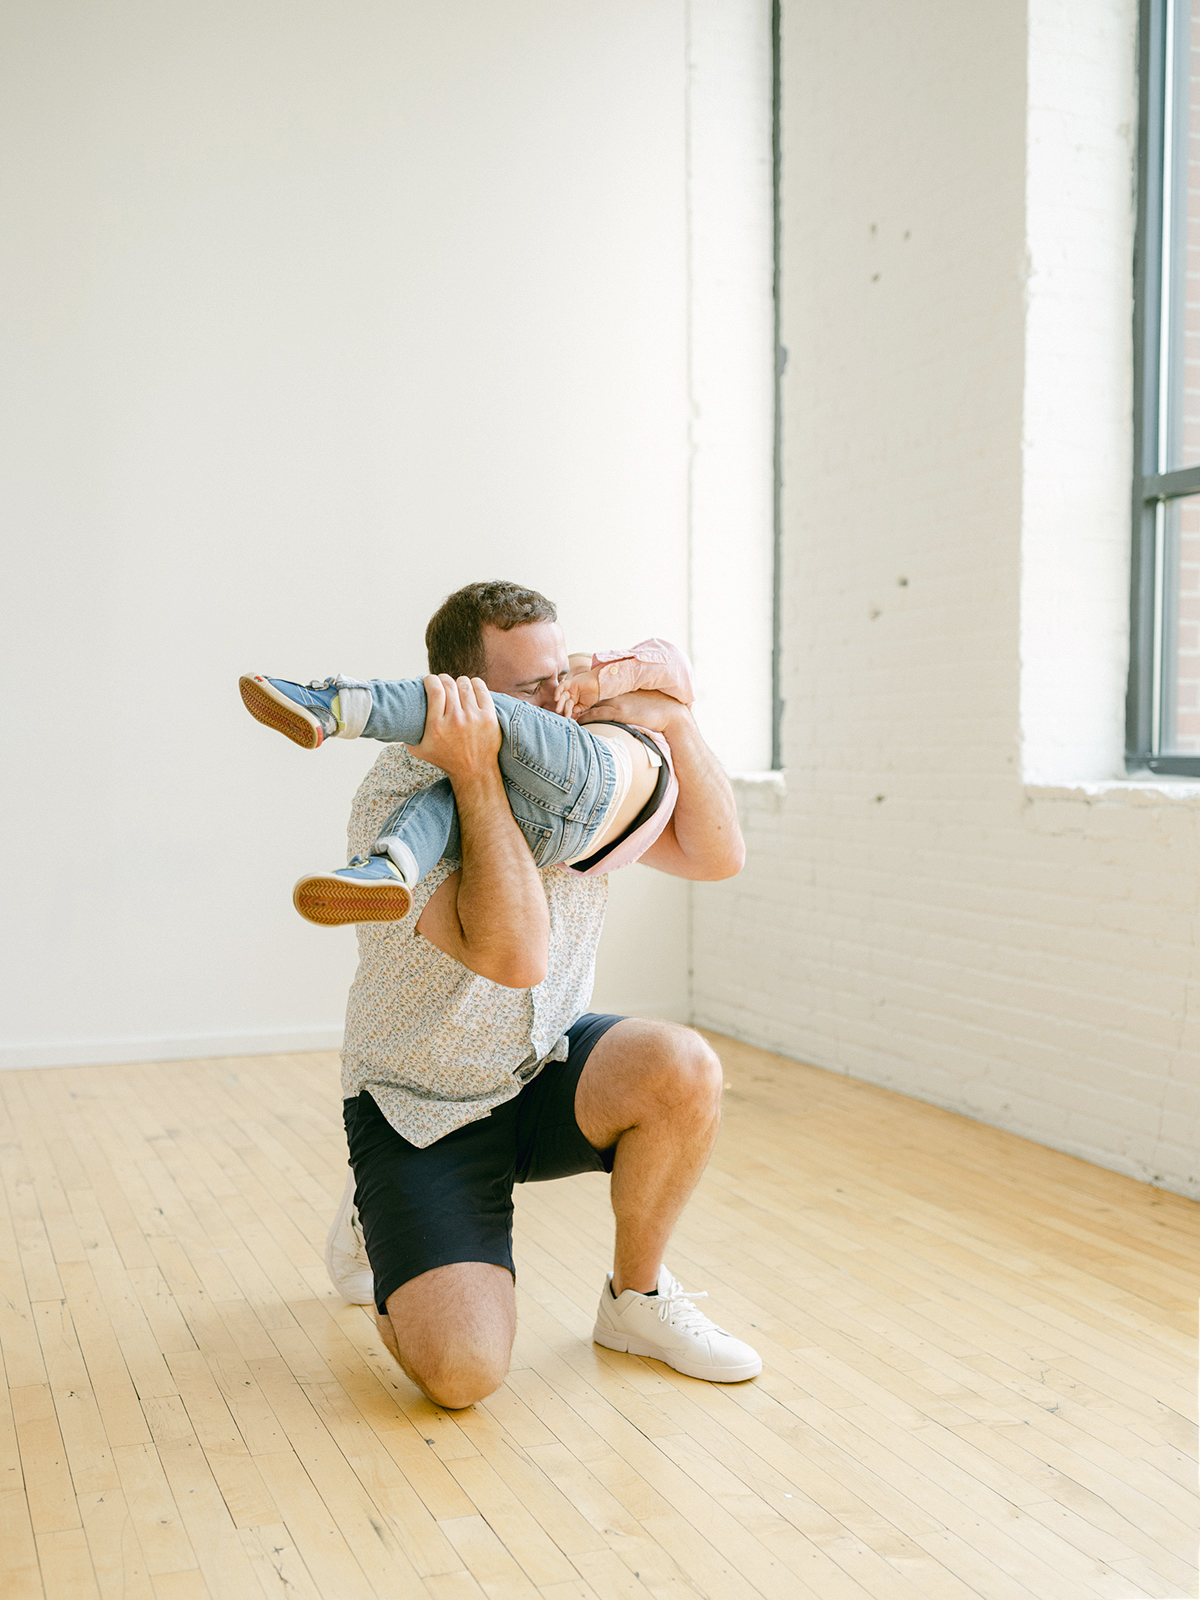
(463, 1379)
(455, 1376)
(688, 1071)
(645, 1073)
(451, 1329)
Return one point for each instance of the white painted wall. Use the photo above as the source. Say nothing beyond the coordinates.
(316, 313)
(938, 902)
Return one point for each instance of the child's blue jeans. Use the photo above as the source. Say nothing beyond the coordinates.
(559, 777)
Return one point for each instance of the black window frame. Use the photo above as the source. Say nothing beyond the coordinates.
(1164, 42)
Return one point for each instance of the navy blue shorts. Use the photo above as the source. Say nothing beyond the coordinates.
(452, 1201)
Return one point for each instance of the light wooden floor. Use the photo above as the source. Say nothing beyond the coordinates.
(980, 1365)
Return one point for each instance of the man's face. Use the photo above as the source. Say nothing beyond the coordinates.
(528, 662)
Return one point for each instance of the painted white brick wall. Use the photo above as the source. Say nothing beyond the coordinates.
(914, 911)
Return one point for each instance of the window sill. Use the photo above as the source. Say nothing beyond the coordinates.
(758, 792)
(760, 782)
(1153, 790)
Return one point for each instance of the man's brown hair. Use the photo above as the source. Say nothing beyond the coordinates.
(454, 637)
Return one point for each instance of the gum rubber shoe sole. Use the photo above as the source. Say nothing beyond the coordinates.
(274, 710)
(331, 901)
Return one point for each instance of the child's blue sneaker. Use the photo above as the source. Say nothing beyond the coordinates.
(308, 716)
(370, 889)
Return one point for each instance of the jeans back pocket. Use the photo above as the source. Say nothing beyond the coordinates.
(538, 837)
(546, 746)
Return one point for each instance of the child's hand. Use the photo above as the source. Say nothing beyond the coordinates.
(644, 708)
(578, 691)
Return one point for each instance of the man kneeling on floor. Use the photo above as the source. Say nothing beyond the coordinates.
(470, 1063)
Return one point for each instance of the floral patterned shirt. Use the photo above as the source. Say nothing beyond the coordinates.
(434, 1044)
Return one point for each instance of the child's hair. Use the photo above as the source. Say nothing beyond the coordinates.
(454, 637)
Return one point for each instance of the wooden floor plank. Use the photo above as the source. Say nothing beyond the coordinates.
(314, 1529)
(48, 1485)
(19, 1346)
(378, 1552)
(277, 1563)
(487, 1560)
(979, 1383)
(188, 1585)
(118, 1562)
(66, 1564)
(396, 1500)
(152, 1509)
(22, 1571)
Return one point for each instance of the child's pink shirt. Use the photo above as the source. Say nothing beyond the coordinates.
(653, 664)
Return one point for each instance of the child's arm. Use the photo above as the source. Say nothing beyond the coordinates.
(652, 664)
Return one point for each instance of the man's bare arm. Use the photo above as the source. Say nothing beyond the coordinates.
(703, 840)
(491, 915)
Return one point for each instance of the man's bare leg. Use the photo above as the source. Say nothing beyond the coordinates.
(452, 1330)
(653, 1089)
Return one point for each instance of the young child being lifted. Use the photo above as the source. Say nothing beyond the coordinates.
(592, 798)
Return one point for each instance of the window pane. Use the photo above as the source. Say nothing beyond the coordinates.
(1180, 350)
(1181, 628)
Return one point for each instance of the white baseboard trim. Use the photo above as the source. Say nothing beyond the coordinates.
(178, 1047)
(650, 1010)
(265, 1042)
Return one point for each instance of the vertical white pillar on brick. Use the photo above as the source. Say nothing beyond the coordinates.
(1078, 436)
(731, 373)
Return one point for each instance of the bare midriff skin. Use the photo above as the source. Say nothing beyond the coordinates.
(645, 777)
(584, 690)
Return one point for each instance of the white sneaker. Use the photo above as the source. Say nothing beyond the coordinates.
(668, 1327)
(346, 1252)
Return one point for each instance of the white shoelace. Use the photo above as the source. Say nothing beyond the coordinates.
(677, 1308)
